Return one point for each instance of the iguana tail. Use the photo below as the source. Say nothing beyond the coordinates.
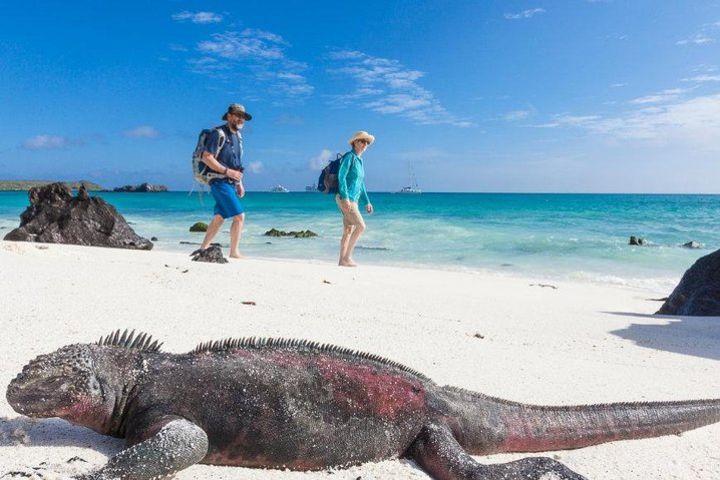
(491, 425)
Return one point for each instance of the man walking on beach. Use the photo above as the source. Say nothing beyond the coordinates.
(223, 154)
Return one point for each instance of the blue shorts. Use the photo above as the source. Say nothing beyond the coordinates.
(227, 202)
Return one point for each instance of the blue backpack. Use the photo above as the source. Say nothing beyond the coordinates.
(328, 179)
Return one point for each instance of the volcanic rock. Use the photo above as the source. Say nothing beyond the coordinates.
(281, 233)
(637, 241)
(211, 254)
(698, 292)
(55, 216)
(199, 227)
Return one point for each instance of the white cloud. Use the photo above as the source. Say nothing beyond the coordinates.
(234, 45)
(664, 96)
(319, 161)
(386, 86)
(256, 56)
(264, 35)
(524, 14)
(694, 122)
(618, 85)
(143, 131)
(46, 142)
(703, 78)
(198, 17)
(699, 39)
(516, 115)
(255, 167)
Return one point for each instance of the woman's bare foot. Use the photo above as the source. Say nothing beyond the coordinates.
(347, 263)
(236, 255)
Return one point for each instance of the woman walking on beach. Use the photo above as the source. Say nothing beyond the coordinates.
(351, 189)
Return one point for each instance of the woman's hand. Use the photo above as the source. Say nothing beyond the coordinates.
(345, 204)
(369, 208)
(240, 189)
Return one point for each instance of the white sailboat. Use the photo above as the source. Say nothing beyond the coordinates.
(279, 189)
(413, 187)
(410, 189)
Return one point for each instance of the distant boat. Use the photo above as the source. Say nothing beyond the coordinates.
(410, 189)
(413, 187)
(311, 188)
(279, 189)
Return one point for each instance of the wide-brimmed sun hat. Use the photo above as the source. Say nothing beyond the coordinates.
(237, 109)
(360, 135)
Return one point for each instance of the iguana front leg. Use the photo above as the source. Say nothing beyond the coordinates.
(177, 445)
(442, 457)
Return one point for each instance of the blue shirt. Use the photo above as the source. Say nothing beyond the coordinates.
(231, 154)
(351, 178)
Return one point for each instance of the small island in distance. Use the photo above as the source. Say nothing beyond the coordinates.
(24, 185)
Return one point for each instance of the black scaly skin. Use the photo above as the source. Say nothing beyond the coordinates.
(303, 406)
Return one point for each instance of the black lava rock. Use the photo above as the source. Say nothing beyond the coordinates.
(273, 232)
(55, 216)
(637, 241)
(212, 254)
(698, 292)
(199, 227)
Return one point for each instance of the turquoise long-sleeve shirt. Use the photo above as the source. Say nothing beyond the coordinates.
(351, 178)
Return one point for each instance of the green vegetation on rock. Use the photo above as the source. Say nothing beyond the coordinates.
(273, 232)
(199, 227)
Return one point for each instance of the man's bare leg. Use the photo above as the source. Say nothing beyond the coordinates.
(212, 230)
(235, 233)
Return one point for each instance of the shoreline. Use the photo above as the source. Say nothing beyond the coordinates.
(569, 238)
(501, 336)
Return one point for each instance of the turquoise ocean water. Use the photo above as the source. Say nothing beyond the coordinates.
(552, 236)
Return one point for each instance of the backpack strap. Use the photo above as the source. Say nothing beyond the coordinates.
(221, 140)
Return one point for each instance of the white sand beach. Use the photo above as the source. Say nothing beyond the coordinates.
(503, 336)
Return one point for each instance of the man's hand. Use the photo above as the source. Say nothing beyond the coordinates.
(236, 175)
(369, 208)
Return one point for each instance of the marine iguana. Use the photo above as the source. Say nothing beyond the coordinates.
(295, 404)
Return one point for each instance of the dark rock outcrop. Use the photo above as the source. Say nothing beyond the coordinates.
(281, 233)
(212, 254)
(55, 216)
(693, 244)
(637, 241)
(143, 187)
(698, 292)
(199, 227)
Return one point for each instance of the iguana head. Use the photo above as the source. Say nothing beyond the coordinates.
(61, 384)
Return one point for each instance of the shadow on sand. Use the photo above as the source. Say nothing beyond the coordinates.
(54, 432)
(697, 336)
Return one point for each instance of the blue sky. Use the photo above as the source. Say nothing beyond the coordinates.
(514, 96)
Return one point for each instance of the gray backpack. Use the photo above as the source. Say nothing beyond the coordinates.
(201, 172)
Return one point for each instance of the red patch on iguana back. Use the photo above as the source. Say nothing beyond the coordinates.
(370, 389)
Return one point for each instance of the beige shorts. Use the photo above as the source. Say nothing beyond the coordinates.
(352, 215)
